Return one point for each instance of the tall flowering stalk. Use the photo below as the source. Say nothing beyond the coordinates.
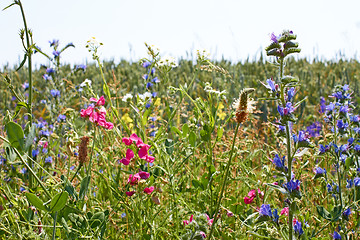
(283, 93)
(244, 105)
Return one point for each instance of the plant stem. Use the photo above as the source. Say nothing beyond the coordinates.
(54, 226)
(28, 53)
(227, 172)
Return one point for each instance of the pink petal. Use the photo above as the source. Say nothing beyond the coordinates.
(127, 141)
(101, 101)
(143, 153)
(248, 200)
(135, 137)
(252, 193)
(129, 154)
(109, 125)
(149, 159)
(92, 99)
(125, 161)
(186, 222)
(191, 218)
(144, 175)
(130, 193)
(149, 190)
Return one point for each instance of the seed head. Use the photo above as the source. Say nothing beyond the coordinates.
(83, 149)
(244, 105)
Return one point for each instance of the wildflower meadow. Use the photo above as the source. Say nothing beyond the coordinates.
(168, 148)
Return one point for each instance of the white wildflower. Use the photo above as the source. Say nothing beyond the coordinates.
(127, 97)
(86, 82)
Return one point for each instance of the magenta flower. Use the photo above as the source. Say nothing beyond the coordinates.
(285, 211)
(129, 156)
(99, 102)
(130, 193)
(134, 179)
(149, 190)
(252, 195)
(186, 222)
(144, 175)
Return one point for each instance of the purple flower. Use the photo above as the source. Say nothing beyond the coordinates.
(279, 163)
(55, 93)
(336, 235)
(25, 85)
(274, 38)
(48, 160)
(154, 94)
(330, 107)
(147, 105)
(56, 53)
(349, 183)
(22, 189)
(322, 105)
(276, 215)
(81, 67)
(346, 88)
(50, 70)
(47, 77)
(156, 80)
(342, 126)
(357, 182)
(347, 213)
(355, 118)
(152, 134)
(61, 118)
(35, 152)
(298, 228)
(291, 93)
(149, 85)
(293, 186)
(357, 147)
(314, 129)
(319, 172)
(265, 210)
(270, 85)
(54, 42)
(145, 76)
(146, 64)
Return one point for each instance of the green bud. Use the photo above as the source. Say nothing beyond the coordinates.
(291, 50)
(273, 45)
(286, 36)
(291, 44)
(289, 79)
(273, 52)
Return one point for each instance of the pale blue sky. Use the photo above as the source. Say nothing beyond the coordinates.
(229, 28)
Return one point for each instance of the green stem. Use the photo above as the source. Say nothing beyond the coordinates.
(227, 172)
(54, 226)
(28, 53)
(91, 155)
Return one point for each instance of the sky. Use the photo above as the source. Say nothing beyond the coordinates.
(231, 29)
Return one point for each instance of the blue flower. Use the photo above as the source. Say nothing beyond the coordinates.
(149, 85)
(152, 71)
(48, 160)
(355, 118)
(147, 105)
(349, 183)
(342, 126)
(152, 134)
(146, 64)
(270, 85)
(265, 210)
(279, 163)
(145, 76)
(81, 67)
(274, 38)
(357, 182)
(319, 172)
(330, 107)
(276, 216)
(47, 77)
(123, 215)
(154, 94)
(56, 53)
(35, 152)
(347, 213)
(357, 147)
(298, 228)
(22, 189)
(54, 42)
(293, 185)
(322, 105)
(346, 88)
(291, 93)
(61, 118)
(55, 93)
(50, 70)
(336, 235)
(314, 129)
(155, 80)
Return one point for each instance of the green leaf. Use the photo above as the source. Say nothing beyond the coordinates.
(30, 138)
(323, 212)
(107, 91)
(9, 6)
(197, 184)
(68, 187)
(220, 132)
(83, 187)
(277, 187)
(22, 63)
(185, 129)
(192, 139)
(59, 201)
(15, 135)
(97, 219)
(175, 130)
(20, 105)
(336, 213)
(35, 201)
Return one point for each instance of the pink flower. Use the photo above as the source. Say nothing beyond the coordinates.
(109, 125)
(127, 141)
(186, 222)
(99, 102)
(149, 159)
(144, 175)
(128, 157)
(210, 221)
(203, 235)
(149, 190)
(130, 193)
(86, 112)
(252, 195)
(134, 179)
(285, 211)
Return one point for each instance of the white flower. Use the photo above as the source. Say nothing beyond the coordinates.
(85, 83)
(145, 96)
(167, 61)
(127, 97)
(203, 54)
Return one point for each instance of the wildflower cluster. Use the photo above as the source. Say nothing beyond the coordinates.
(96, 113)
